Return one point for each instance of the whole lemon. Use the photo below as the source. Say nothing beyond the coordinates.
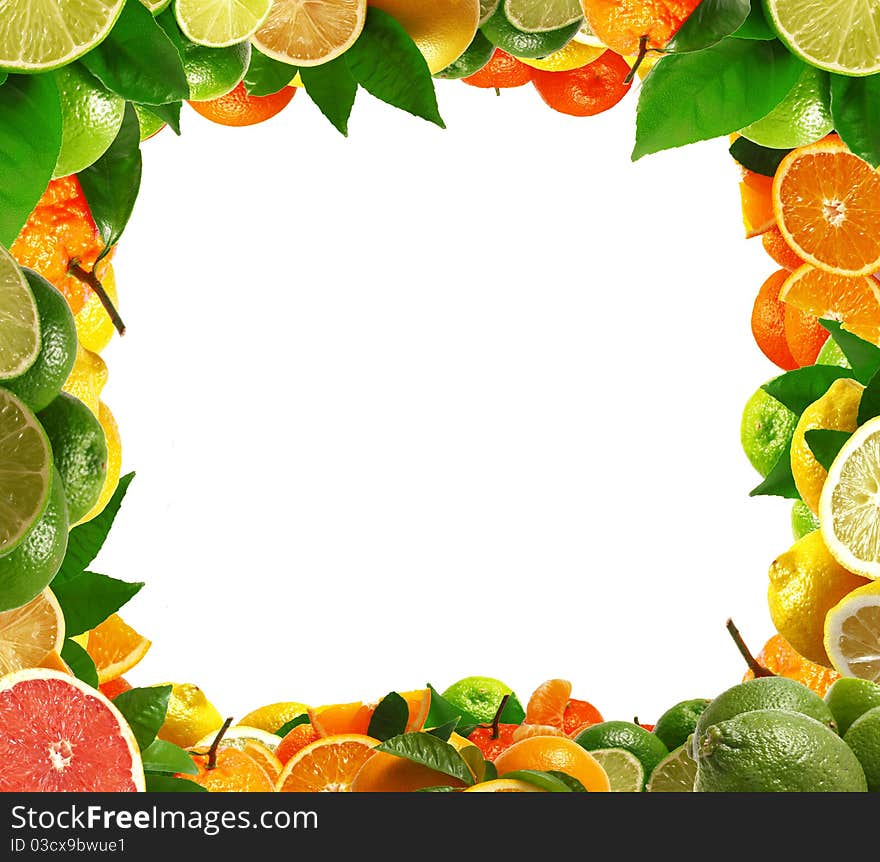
(190, 715)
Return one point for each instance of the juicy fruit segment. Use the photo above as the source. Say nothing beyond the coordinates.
(296, 739)
(237, 108)
(756, 200)
(648, 748)
(235, 771)
(115, 648)
(676, 773)
(57, 734)
(849, 699)
(621, 26)
(29, 633)
(678, 722)
(624, 770)
(766, 430)
(479, 696)
(549, 753)
(19, 320)
(328, 765)
(775, 751)
(852, 633)
(768, 323)
(779, 657)
(548, 703)
(220, 23)
(539, 17)
(864, 740)
(190, 716)
(114, 461)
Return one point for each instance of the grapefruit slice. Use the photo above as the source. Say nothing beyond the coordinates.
(58, 734)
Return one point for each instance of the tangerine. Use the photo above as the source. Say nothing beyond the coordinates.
(586, 91)
(503, 71)
(238, 108)
(768, 322)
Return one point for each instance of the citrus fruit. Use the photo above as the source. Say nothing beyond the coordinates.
(539, 16)
(27, 569)
(647, 747)
(273, 716)
(19, 320)
(36, 35)
(850, 698)
(852, 633)
(837, 410)
(571, 56)
(341, 718)
(115, 687)
(492, 742)
(831, 354)
(676, 773)
(475, 56)
(841, 36)
(504, 785)
(29, 633)
(487, 9)
(326, 765)
(57, 734)
(478, 696)
(779, 657)
(311, 32)
(221, 23)
(156, 6)
(115, 648)
(296, 739)
(501, 72)
(766, 430)
(768, 323)
(826, 200)
(190, 716)
(756, 202)
(863, 738)
(94, 327)
(578, 714)
(114, 461)
(771, 750)
(548, 702)
(442, 29)
(804, 334)
(801, 118)
(234, 771)
(779, 250)
(554, 753)
(387, 773)
(624, 770)
(505, 35)
(679, 722)
(805, 583)
(238, 736)
(265, 757)
(586, 91)
(622, 25)
(237, 108)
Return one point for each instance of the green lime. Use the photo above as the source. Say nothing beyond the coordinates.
(42, 382)
(19, 320)
(849, 698)
(156, 6)
(679, 722)
(25, 471)
(477, 54)
(540, 16)
(837, 35)
(504, 35)
(676, 773)
(624, 770)
(221, 23)
(150, 123)
(863, 738)
(487, 9)
(90, 116)
(479, 696)
(772, 750)
(803, 521)
(831, 354)
(802, 117)
(766, 430)
(764, 693)
(28, 569)
(628, 736)
(79, 449)
(37, 35)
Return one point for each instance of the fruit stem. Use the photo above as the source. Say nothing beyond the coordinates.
(497, 718)
(757, 669)
(215, 745)
(94, 283)
(498, 91)
(643, 51)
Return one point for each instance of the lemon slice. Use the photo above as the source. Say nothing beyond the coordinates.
(852, 633)
(36, 35)
(29, 634)
(220, 23)
(849, 506)
(541, 16)
(238, 735)
(19, 320)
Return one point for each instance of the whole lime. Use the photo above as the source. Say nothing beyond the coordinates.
(849, 699)
(648, 748)
(771, 750)
(766, 430)
(803, 521)
(479, 696)
(831, 354)
(679, 722)
(476, 55)
(504, 35)
(863, 737)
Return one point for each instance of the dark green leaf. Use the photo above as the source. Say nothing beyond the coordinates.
(694, 97)
(266, 76)
(169, 114)
(88, 599)
(84, 542)
(444, 731)
(863, 356)
(513, 713)
(779, 481)
(756, 26)
(169, 784)
(825, 444)
(490, 772)
(573, 784)
(112, 183)
(869, 405)
(332, 88)
(290, 725)
(30, 141)
(441, 788)
(761, 160)
(3, 77)
(144, 709)
(138, 61)
(442, 711)
(389, 718)
(549, 781)
(431, 752)
(386, 63)
(80, 662)
(855, 109)
(161, 756)
(709, 23)
(799, 388)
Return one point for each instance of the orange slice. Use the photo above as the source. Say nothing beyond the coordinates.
(419, 703)
(265, 757)
(115, 648)
(329, 764)
(756, 196)
(235, 771)
(341, 718)
(29, 635)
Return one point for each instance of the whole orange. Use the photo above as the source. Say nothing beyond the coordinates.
(557, 753)
(587, 91)
(237, 108)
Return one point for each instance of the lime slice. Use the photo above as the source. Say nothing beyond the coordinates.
(540, 16)
(676, 773)
(842, 36)
(625, 772)
(156, 6)
(487, 9)
(220, 23)
(25, 471)
(19, 320)
(36, 35)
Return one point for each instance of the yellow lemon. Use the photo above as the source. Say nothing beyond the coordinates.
(274, 715)
(190, 717)
(87, 379)
(572, 56)
(93, 325)
(114, 461)
(852, 633)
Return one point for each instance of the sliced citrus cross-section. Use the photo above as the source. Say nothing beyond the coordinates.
(19, 320)
(852, 633)
(676, 773)
(540, 16)
(329, 764)
(221, 23)
(29, 634)
(624, 770)
(115, 647)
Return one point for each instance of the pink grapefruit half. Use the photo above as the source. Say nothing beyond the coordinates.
(58, 734)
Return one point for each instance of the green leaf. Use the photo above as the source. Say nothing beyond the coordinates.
(573, 784)
(290, 725)
(88, 599)
(513, 713)
(387, 64)
(709, 23)
(333, 89)
(266, 76)
(80, 662)
(444, 731)
(473, 757)
(779, 481)
(825, 444)
(169, 114)
(431, 752)
(169, 784)
(799, 388)
(869, 405)
(549, 781)
(138, 61)
(863, 356)
(144, 709)
(161, 756)
(756, 26)
(85, 541)
(440, 788)
(442, 711)
(389, 718)
(694, 97)
(30, 141)
(855, 109)
(112, 183)
(761, 160)
(490, 771)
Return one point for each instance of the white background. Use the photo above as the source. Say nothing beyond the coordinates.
(422, 404)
